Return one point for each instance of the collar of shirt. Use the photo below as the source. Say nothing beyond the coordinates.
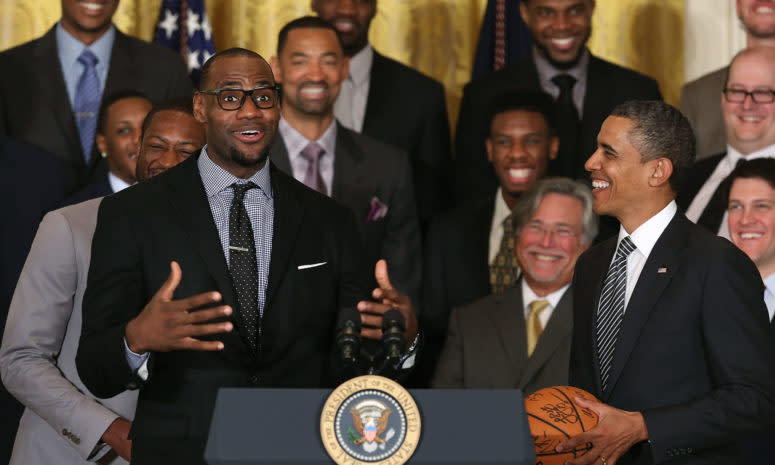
(500, 212)
(528, 296)
(69, 49)
(116, 183)
(360, 65)
(546, 71)
(733, 156)
(215, 179)
(769, 295)
(648, 233)
(295, 141)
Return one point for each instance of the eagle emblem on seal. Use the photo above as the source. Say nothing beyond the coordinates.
(370, 418)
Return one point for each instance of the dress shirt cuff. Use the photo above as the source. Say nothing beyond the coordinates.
(137, 362)
(408, 359)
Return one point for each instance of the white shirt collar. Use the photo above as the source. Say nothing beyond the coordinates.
(554, 298)
(360, 65)
(116, 184)
(769, 295)
(732, 156)
(649, 232)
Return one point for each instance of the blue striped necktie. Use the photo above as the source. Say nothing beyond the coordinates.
(87, 102)
(610, 310)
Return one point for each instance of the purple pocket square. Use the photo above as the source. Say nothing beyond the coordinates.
(376, 211)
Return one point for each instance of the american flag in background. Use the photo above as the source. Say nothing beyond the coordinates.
(183, 26)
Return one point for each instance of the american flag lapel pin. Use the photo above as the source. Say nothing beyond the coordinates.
(662, 270)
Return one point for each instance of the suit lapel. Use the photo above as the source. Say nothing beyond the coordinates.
(378, 101)
(661, 265)
(509, 321)
(288, 213)
(279, 156)
(54, 92)
(558, 330)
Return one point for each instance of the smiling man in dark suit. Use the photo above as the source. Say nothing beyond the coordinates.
(670, 327)
(265, 262)
(521, 338)
(585, 87)
(369, 103)
(371, 178)
(52, 86)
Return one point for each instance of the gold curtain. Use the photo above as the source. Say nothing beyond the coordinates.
(438, 37)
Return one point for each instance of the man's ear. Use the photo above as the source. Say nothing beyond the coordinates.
(199, 111)
(488, 145)
(274, 63)
(554, 146)
(101, 143)
(662, 169)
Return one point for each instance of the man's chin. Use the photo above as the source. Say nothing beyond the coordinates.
(248, 161)
(561, 63)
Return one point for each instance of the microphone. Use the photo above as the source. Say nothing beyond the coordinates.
(393, 340)
(348, 337)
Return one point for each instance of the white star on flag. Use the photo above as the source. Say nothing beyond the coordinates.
(193, 60)
(170, 23)
(192, 23)
(206, 29)
(206, 56)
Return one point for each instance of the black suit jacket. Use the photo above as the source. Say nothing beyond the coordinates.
(607, 86)
(140, 230)
(456, 272)
(31, 181)
(364, 169)
(99, 188)
(419, 125)
(35, 108)
(694, 353)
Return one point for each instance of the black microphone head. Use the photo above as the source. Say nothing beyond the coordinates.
(393, 318)
(349, 316)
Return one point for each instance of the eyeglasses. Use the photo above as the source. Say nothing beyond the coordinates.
(559, 232)
(232, 99)
(758, 96)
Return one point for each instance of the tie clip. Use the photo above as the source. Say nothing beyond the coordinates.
(84, 114)
(239, 249)
(662, 270)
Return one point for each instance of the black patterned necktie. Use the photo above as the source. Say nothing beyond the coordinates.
(242, 262)
(610, 310)
(504, 270)
(568, 125)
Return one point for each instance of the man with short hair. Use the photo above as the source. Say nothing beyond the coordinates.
(521, 143)
(699, 97)
(52, 97)
(585, 88)
(372, 179)
(63, 423)
(750, 192)
(393, 103)
(748, 108)
(266, 262)
(668, 326)
(491, 343)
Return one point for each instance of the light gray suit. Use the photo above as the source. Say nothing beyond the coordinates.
(62, 422)
(486, 346)
(701, 104)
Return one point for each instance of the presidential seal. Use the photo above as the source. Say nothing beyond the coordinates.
(370, 420)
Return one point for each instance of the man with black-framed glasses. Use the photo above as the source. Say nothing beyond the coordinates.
(748, 110)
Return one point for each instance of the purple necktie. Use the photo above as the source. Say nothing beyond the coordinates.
(87, 102)
(312, 152)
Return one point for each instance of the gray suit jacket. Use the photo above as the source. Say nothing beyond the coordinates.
(701, 104)
(486, 346)
(365, 168)
(62, 422)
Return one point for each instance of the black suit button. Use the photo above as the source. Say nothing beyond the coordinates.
(254, 380)
(689, 450)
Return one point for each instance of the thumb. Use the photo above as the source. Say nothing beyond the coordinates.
(167, 289)
(587, 403)
(381, 275)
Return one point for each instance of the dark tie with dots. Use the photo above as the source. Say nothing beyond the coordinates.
(568, 124)
(504, 270)
(242, 262)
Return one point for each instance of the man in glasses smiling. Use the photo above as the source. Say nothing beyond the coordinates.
(748, 109)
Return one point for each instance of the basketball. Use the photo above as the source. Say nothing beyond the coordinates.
(553, 417)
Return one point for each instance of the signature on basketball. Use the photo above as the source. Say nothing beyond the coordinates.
(563, 411)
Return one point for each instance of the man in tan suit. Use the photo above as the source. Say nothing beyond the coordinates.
(521, 338)
(699, 98)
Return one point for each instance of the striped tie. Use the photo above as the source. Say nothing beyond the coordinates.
(611, 309)
(86, 104)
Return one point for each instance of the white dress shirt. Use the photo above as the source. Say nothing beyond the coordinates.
(116, 183)
(295, 143)
(529, 296)
(644, 239)
(500, 213)
(769, 295)
(350, 106)
(723, 169)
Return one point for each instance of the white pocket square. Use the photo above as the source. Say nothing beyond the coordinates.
(311, 265)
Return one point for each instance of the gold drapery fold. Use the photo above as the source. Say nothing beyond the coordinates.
(438, 37)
